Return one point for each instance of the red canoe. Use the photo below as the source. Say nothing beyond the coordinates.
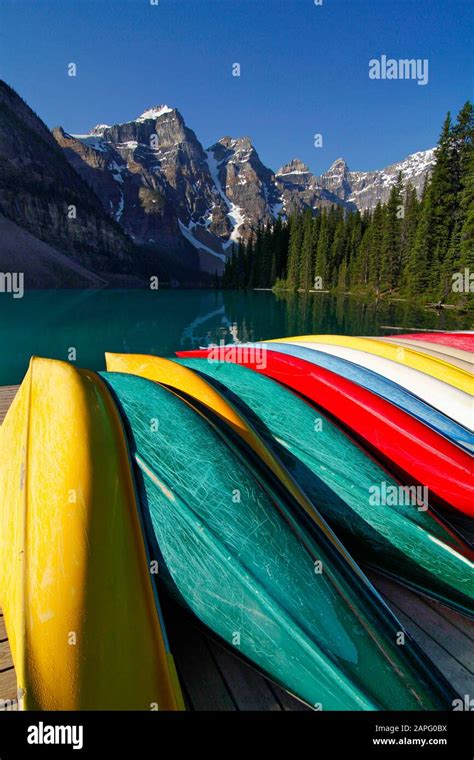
(456, 340)
(411, 450)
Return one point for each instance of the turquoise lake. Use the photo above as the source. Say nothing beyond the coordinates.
(50, 323)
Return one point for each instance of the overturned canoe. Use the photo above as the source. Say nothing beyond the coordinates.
(409, 357)
(81, 613)
(448, 353)
(388, 389)
(450, 401)
(397, 538)
(196, 388)
(464, 340)
(411, 450)
(284, 596)
(455, 356)
(346, 485)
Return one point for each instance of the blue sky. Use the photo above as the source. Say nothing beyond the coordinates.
(304, 69)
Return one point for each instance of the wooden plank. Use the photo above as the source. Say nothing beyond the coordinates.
(7, 394)
(461, 622)
(3, 632)
(5, 656)
(250, 691)
(196, 667)
(7, 685)
(203, 684)
(457, 675)
(454, 641)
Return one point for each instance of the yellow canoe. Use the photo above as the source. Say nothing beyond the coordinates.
(406, 355)
(184, 380)
(81, 613)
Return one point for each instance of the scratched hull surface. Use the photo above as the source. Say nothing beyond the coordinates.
(231, 549)
(83, 624)
(343, 482)
(410, 449)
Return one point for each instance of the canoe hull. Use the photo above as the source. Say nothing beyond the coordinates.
(230, 548)
(416, 454)
(406, 356)
(83, 625)
(464, 341)
(450, 354)
(423, 397)
(411, 546)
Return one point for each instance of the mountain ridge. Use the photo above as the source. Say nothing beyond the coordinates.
(147, 193)
(173, 187)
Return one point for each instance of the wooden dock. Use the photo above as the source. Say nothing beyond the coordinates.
(214, 679)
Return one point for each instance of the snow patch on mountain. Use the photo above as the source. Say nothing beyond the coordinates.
(120, 207)
(368, 188)
(187, 233)
(236, 215)
(154, 113)
(99, 129)
(92, 141)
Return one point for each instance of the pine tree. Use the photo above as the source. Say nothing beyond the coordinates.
(277, 258)
(360, 269)
(336, 251)
(437, 218)
(306, 272)
(342, 282)
(294, 252)
(322, 249)
(376, 238)
(408, 234)
(248, 262)
(266, 258)
(256, 263)
(390, 265)
(466, 245)
(463, 134)
(239, 276)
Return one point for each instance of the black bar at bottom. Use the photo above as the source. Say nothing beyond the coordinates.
(316, 734)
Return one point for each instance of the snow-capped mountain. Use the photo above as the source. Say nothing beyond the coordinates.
(155, 179)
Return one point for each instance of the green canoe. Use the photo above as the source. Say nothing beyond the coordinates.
(286, 598)
(400, 540)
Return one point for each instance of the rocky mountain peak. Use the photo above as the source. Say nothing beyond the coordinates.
(99, 130)
(337, 180)
(155, 179)
(236, 143)
(339, 167)
(293, 167)
(155, 112)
